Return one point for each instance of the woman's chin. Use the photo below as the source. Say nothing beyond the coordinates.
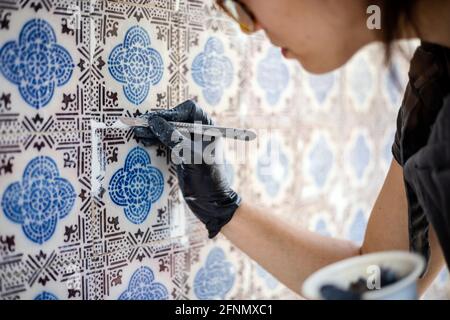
(312, 65)
(317, 68)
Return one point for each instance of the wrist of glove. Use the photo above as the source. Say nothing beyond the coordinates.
(214, 213)
(204, 185)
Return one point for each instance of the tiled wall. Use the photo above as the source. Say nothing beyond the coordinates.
(87, 212)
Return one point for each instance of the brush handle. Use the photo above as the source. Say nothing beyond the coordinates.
(207, 130)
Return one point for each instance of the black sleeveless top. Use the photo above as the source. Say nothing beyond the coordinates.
(422, 147)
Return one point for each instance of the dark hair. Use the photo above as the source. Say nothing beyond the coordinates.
(396, 15)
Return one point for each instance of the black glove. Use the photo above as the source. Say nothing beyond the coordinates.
(204, 186)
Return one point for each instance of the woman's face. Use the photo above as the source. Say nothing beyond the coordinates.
(321, 34)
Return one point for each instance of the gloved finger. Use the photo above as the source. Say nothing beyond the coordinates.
(187, 111)
(144, 133)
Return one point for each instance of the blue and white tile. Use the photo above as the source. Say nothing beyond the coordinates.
(270, 82)
(360, 156)
(356, 224)
(323, 225)
(136, 192)
(273, 167)
(43, 48)
(264, 284)
(139, 50)
(142, 279)
(45, 214)
(235, 157)
(361, 79)
(321, 92)
(319, 163)
(41, 196)
(210, 63)
(219, 272)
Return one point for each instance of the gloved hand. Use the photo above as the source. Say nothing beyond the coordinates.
(204, 185)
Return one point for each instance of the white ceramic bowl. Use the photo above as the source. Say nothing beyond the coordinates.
(407, 265)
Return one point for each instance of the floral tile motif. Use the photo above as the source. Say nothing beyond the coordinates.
(360, 156)
(44, 192)
(136, 64)
(215, 279)
(270, 82)
(38, 201)
(210, 58)
(135, 60)
(319, 163)
(357, 227)
(319, 98)
(143, 286)
(273, 168)
(361, 83)
(212, 71)
(136, 186)
(271, 282)
(321, 85)
(218, 270)
(46, 296)
(273, 75)
(46, 224)
(322, 226)
(43, 48)
(271, 165)
(36, 63)
(136, 193)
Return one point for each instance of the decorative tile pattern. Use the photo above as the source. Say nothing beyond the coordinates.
(212, 71)
(46, 296)
(269, 280)
(215, 279)
(36, 63)
(321, 85)
(87, 212)
(273, 75)
(320, 161)
(39, 200)
(273, 168)
(142, 286)
(360, 156)
(135, 64)
(136, 186)
(357, 227)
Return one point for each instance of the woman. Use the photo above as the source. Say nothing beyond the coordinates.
(413, 208)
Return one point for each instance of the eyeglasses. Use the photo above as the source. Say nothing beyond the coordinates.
(240, 13)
